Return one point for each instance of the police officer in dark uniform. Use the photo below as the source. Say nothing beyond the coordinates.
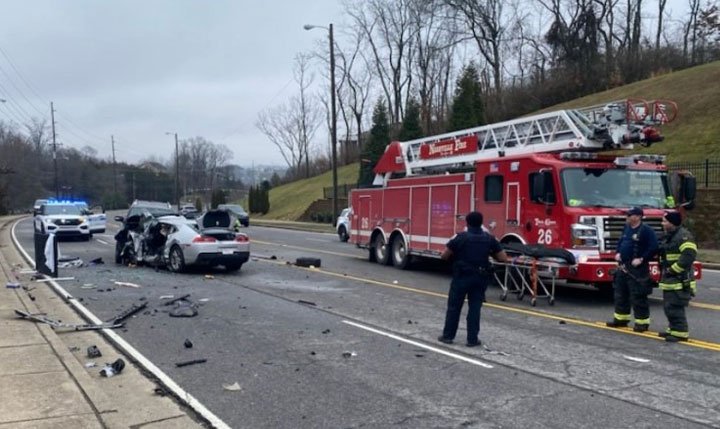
(636, 247)
(677, 280)
(470, 252)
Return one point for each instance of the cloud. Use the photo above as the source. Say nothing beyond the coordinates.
(136, 69)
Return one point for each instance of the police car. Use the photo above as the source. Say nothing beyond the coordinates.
(62, 218)
(95, 215)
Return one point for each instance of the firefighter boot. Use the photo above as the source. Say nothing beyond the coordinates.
(615, 323)
(673, 339)
(641, 327)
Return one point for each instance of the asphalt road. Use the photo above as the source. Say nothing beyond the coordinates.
(352, 344)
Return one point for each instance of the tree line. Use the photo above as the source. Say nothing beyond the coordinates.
(526, 55)
(31, 168)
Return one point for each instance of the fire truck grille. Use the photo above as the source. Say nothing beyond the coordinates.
(614, 225)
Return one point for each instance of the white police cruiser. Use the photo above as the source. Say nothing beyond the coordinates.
(95, 215)
(62, 218)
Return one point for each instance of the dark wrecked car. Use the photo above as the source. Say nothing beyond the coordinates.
(177, 243)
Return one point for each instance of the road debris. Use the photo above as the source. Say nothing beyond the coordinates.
(349, 354)
(59, 325)
(209, 276)
(10, 285)
(90, 365)
(93, 352)
(128, 284)
(190, 362)
(636, 359)
(302, 301)
(167, 296)
(308, 262)
(58, 279)
(88, 286)
(184, 309)
(71, 262)
(127, 313)
(113, 369)
(180, 298)
(232, 387)
(188, 344)
(97, 261)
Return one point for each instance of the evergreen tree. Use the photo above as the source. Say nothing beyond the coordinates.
(252, 200)
(411, 129)
(375, 147)
(217, 198)
(467, 107)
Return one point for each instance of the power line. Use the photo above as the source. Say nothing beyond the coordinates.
(22, 94)
(39, 97)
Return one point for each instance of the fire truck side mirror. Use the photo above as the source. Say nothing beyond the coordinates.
(689, 185)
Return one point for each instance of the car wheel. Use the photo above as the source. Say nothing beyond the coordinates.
(118, 253)
(127, 253)
(176, 263)
(343, 234)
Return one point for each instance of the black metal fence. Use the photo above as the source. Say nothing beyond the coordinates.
(707, 172)
(343, 190)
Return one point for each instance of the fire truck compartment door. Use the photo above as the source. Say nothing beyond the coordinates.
(512, 208)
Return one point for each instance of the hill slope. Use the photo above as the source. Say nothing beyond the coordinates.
(693, 136)
(695, 133)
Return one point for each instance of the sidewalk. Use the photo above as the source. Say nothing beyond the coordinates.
(45, 383)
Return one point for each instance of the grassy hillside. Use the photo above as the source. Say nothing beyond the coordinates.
(694, 135)
(289, 201)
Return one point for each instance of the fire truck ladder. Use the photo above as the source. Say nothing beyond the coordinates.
(615, 125)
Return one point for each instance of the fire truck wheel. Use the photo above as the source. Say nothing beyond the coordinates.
(400, 257)
(380, 248)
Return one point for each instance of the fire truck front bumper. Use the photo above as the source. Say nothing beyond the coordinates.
(603, 271)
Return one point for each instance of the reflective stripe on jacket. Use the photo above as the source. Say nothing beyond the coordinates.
(680, 252)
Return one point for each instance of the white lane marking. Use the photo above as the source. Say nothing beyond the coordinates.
(128, 349)
(421, 345)
(103, 242)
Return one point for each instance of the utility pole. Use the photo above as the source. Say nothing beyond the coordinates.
(112, 140)
(333, 123)
(54, 143)
(177, 173)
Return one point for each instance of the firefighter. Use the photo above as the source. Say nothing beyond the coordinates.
(470, 252)
(632, 284)
(677, 281)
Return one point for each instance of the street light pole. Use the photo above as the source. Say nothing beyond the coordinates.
(333, 117)
(177, 171)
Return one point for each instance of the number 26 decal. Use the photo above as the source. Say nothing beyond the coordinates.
(544, 236)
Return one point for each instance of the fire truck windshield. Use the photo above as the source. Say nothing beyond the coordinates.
(616, 188)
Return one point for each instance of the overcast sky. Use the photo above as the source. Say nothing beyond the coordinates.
(139, 68)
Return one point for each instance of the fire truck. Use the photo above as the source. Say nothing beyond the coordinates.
(545, 181)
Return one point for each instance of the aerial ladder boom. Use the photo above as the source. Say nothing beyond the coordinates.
(615, 125)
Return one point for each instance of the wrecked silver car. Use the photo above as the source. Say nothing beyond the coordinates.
(177, 243)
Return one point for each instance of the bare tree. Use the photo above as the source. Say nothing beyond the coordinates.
(690, 31)
(390, 34)
(661, 15)
(354, 90)
(486, 22)
(292, 126)
(435, 43)
(38, 133)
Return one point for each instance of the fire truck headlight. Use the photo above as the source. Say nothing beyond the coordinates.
(584, 235)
